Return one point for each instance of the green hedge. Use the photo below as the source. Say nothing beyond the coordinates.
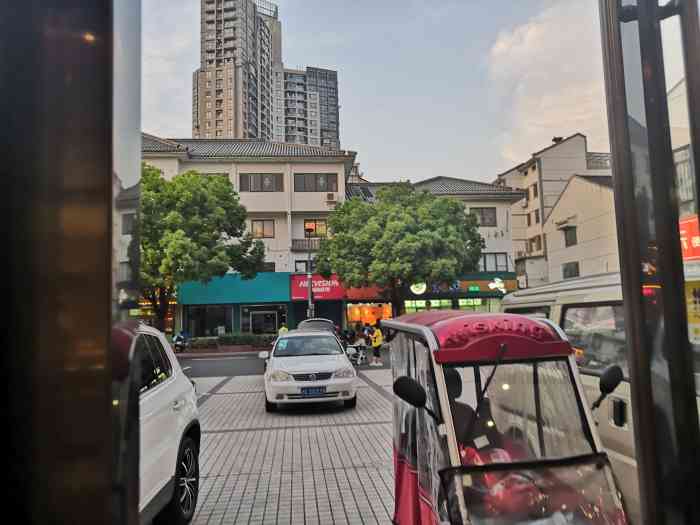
(246, 339)
(203, 342)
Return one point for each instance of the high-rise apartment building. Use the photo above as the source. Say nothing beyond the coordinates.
(305, 107)
(232, 88)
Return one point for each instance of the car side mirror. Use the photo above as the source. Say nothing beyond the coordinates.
(609, 381)
(409, 390)
(264, 355)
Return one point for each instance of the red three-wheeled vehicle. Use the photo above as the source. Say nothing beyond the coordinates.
(491, 425)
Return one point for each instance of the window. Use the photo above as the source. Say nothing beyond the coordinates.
(128, 220)
(536, 243)
(484, 216)
(255, 182)
(268, 267)
(597, 333)
(316, 182)
(124, 272)
(301, 266)
(154, 363)
(263, 229)
(570, 270)
(534, 191)
(164, 368)
(529, 220)
(570, 236)
(318, 225)
(493, 262)
(537, 216)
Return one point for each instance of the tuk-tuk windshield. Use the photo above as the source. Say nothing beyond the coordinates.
(530, 410)
(551, 492)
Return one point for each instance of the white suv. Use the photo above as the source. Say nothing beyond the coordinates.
(169, 430)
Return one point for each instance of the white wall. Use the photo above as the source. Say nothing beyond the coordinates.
(591, 208)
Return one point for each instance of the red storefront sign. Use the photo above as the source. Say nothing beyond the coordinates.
(690, 238)
(322, 289)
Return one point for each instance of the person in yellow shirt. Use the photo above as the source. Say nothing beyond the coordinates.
(377, 340)
(283, 329)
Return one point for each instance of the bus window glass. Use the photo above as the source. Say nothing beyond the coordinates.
(597, 333)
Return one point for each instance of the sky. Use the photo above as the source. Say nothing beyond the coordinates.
(461, 88)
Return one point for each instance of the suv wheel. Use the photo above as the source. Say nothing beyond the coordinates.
(351, 403)
(270, 407)
(181, 508)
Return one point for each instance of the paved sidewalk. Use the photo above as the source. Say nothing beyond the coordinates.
(316, 464)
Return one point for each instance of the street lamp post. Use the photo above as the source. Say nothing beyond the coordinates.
(310, 310)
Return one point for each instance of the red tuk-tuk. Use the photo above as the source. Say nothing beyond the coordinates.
(491, 425)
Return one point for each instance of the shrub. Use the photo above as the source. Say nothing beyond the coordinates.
(203, 342)
(246, 339)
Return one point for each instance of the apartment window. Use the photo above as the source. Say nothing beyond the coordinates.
(484, 216)
(570, 238)
(268, 267)
(319, 226)
(570, 270)
(534, 191)
(537, 216)
(128, 220)
(529, 220)
(536, 243)
(493, 262)
(255, 182)
(124, 274)
(300, 266)
(263, 229)
(315, 182)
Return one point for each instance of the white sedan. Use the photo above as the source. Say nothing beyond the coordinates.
(308, 367)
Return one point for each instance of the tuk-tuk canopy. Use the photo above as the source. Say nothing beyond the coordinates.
(467, 337)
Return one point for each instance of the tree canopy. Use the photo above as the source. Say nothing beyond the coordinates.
(403, 237)
(190, 228)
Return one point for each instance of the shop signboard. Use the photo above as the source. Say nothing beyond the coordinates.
(690, 238)
(323, 289)
(471, 286)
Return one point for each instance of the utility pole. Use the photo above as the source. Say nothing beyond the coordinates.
(310, 309)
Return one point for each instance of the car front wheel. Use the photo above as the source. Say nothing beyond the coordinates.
(270, 407)
(181, 508)
(351, 403)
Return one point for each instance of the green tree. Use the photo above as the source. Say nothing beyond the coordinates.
(403, 237)
(190, 228)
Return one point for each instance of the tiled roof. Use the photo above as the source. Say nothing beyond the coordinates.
(601, 180)
(598, 161)
(211, 148)
(153, 144)
(454, 186)
(128, 197)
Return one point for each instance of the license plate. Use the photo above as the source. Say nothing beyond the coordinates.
(313, 391)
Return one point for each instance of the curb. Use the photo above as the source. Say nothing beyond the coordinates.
(190, 355)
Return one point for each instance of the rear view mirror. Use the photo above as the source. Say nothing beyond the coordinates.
(409, 390)
(264, 355)
(609, 381)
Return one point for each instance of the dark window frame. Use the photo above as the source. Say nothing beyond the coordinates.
(253, 182)
(479, 213)
(568, 231)
(309, 182)
(128, 223)
(263, 221)
(570, 264)
(316, 224)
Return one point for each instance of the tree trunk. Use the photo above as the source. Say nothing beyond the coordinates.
(397, 304)
(160, 302)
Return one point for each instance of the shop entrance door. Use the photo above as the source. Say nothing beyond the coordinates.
(263, 322)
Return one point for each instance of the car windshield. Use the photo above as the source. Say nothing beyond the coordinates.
(307, 345)
(529, 411)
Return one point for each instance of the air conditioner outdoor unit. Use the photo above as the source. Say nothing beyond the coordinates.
(330, 197)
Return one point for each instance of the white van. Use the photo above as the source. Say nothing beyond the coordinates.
(589, 310)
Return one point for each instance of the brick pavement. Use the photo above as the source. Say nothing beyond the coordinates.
(315, 464)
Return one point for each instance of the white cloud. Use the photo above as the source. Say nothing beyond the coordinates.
(548, 74)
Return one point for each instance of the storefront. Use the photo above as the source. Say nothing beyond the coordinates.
(478, 292)
(328, 296)
(230, 304)
(366, 305)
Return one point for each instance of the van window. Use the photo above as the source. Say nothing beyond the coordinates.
(534, 311)
(597, 333)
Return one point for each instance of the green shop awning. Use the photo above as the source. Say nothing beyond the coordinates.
(266, 287)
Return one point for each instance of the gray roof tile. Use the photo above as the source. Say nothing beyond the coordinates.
(211, 148)
(153, 144)
(454, 186)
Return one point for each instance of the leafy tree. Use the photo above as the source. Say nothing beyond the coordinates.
(402, 238)
(191, 228)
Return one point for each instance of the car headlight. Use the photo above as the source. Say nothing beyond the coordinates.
(344, 373)
(279, 376)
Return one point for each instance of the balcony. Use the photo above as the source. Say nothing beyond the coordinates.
(306, 245)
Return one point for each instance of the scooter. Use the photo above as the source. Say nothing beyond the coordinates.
(179, 343)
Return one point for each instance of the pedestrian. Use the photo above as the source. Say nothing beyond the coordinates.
(283, 329)
(377, 340)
